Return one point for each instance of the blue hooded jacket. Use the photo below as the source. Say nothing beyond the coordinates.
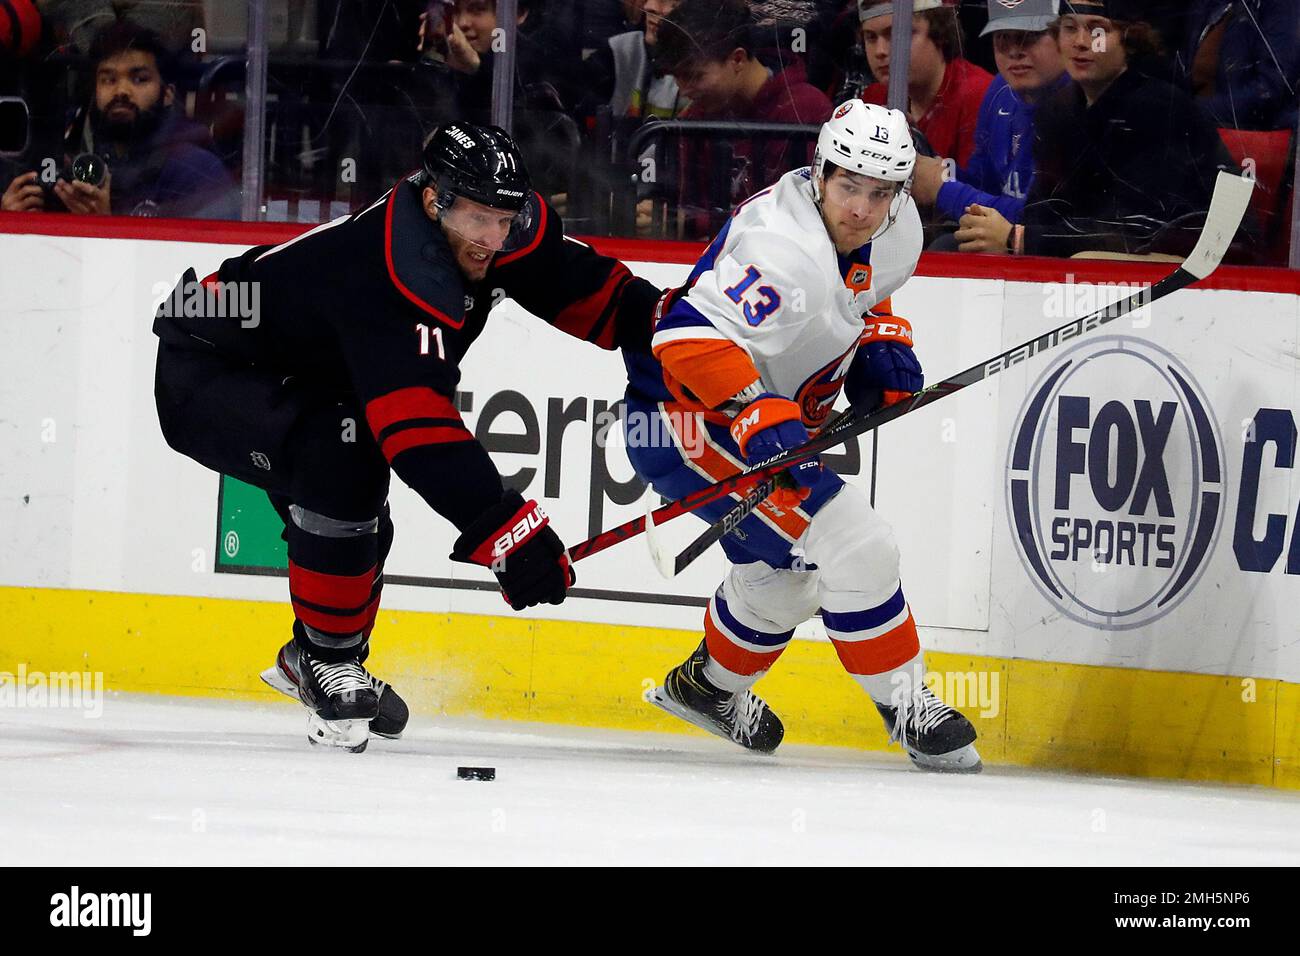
(1002, 166)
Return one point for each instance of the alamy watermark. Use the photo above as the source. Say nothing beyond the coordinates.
(72, 690)
(959, 689)
(210, 299)
(1071, 299)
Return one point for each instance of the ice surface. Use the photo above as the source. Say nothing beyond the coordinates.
(159, 780)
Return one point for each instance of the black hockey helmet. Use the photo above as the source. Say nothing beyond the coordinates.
(481, 163)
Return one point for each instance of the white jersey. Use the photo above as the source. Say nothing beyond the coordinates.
(771, 282)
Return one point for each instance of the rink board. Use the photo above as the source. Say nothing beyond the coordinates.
(120, 557)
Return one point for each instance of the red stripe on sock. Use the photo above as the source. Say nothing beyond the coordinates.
(337, 623)
(331, 590)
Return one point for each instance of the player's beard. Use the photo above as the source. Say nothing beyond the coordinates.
(126, 132)
(474, 269)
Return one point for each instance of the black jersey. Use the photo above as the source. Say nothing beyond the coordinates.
(373, 307)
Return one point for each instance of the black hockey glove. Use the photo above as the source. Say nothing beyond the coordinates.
(514, 540)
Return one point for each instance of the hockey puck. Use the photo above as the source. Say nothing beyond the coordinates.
(476, 773)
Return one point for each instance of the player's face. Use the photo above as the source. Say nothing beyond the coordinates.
(1027, 61)
(854, 206)
(475, 232)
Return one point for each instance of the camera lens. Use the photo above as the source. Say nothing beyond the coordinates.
(89, 168)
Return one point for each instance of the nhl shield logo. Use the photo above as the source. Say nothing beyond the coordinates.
(858, 278)
(260, 460)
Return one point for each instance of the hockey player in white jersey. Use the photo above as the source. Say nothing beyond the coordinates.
(789, 305)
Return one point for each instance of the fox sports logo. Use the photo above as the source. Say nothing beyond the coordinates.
(1115, 483)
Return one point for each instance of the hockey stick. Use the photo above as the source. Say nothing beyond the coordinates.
(698, 499)
(1227, 206)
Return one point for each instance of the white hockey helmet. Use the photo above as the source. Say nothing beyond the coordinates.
(868, 139)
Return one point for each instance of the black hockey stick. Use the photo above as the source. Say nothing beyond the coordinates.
(1227, 206)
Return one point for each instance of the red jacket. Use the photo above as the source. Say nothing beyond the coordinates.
(786, 97)
(949, 124)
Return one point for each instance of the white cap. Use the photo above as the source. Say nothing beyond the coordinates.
(867, 9)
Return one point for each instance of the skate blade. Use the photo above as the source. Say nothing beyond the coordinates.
(659, 697)
(277, 680)
(349, 735)
(962, 760)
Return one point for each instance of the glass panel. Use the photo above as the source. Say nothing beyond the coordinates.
(121, 108)
(1104, 129)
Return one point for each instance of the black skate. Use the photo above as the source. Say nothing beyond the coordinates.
(346, 702)
(742, 718)
(937, 737)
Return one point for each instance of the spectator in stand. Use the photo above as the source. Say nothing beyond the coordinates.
(623, 72)
(598, 20)
(157, 161)
(944, 90)
(74, 24)
(547, 61)
(1241, 60)
(708, 46)
(1123, 162)
(1001, 168)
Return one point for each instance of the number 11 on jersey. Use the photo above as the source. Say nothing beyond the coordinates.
(754, 314)
(428, 336)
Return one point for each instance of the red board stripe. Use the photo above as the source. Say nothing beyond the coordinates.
(949, 265)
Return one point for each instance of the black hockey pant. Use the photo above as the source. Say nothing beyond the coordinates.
(313, 454)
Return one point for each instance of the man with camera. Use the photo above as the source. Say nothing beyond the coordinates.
(136, 155)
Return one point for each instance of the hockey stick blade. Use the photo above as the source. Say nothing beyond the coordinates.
(663, 561)
(1227, 207)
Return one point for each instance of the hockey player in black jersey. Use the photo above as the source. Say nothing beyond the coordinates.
(364, 321)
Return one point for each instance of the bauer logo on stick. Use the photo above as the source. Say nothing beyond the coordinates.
(1115, 483)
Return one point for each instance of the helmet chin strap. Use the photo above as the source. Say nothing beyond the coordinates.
(895, 207)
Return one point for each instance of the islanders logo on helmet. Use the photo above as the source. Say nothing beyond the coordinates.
(1115, 483)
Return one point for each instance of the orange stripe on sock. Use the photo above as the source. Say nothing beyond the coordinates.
(880, 654)
(737, 659)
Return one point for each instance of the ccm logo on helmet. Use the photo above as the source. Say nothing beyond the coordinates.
(520, 533)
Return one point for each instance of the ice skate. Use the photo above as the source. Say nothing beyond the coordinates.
(935, 736)
(346, 703)
(742, 718)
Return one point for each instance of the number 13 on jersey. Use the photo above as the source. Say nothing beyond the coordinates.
(768, 302)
